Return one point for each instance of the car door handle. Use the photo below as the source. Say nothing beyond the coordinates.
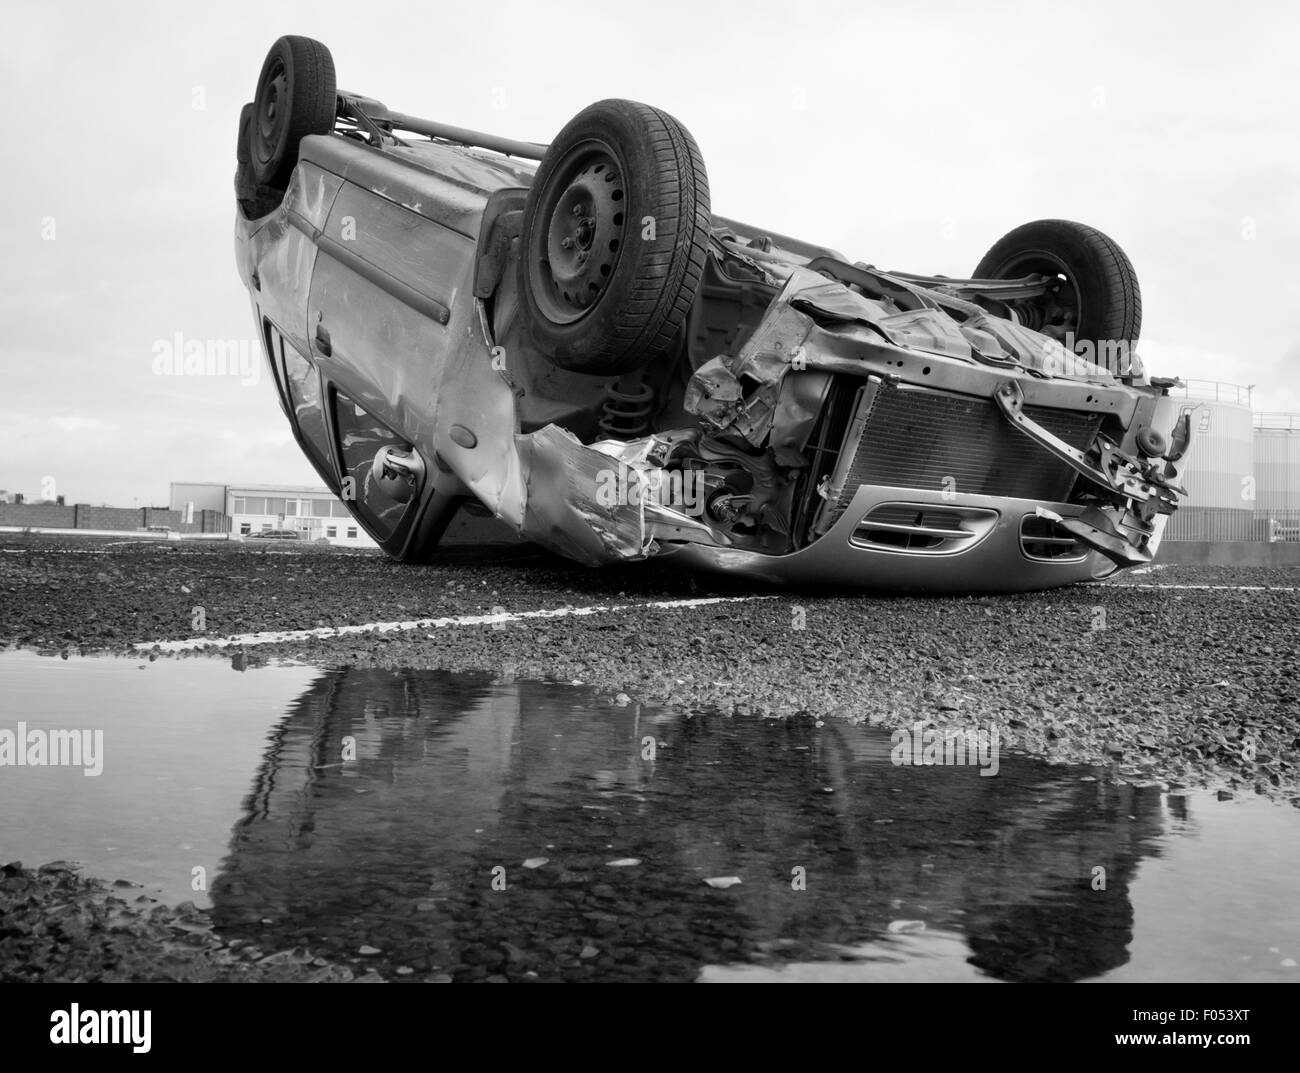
(323, 340)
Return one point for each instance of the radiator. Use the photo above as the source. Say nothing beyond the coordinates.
(918, 438)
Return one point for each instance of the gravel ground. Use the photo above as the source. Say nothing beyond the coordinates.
(1190, 686)
(1194, 686)
(57, 926)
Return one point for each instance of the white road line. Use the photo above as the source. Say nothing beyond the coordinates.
(284, 636)
(1228, 588)
(37, 549)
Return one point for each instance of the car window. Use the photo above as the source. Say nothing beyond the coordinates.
(303, 387)
(360, 438)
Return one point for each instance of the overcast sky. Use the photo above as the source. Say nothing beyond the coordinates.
(908, 135)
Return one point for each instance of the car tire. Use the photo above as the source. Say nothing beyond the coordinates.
(296, 96)
(254, 201)
(1099, 300)
(615, 233)
(245, 184)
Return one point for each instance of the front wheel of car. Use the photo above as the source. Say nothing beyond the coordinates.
(296, 96)
(615, 233)
(1093, 302)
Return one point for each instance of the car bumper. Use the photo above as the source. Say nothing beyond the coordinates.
(993, 559)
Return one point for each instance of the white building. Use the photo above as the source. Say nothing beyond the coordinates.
(313, 513)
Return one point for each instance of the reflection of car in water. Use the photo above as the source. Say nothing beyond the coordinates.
(456, 777)
(582, 349)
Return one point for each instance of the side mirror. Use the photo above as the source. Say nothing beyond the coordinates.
(398, 473)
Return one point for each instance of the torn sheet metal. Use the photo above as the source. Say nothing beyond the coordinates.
(713, 393)
(981, 337)
(569, 508)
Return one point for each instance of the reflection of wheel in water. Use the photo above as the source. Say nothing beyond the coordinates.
(1081, 937)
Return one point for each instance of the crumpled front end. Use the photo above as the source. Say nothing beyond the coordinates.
(925, 447)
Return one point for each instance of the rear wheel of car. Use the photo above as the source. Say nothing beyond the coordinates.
(296, 96)
(1095, 301)
(245, 184)
(254, 199)
(615, 234)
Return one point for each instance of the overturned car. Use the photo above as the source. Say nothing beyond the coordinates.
(567, 338)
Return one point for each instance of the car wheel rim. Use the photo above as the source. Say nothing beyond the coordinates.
(1057, 313)
(272, 110)
(583, 220)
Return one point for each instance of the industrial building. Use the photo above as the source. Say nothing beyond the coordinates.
(1276, 444)
(1243, 475)
(313, 513)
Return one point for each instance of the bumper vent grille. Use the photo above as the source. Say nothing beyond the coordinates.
(924, 527)
(1045, 541)
(915, 438)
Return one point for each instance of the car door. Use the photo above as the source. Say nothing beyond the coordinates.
(283, 255)
(382, 313)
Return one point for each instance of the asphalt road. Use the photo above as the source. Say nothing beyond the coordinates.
(1181, 674)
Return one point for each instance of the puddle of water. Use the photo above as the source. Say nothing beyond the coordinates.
(454, 782)
(179, 740)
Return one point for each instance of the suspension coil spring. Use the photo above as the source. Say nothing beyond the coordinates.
(1028, 314)
(625, 412)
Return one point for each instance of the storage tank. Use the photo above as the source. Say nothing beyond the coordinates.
(1277, 462)
(1223, 456)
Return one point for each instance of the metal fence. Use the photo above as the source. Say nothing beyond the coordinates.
(1213, 390)
(1283, 422)
(1221, 524)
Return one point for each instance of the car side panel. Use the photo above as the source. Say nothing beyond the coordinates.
(404, 337)
(276, 255)
(448, 185)
(385, 281)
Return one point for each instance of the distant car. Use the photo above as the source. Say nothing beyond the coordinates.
(163, 531)
(274, 534)
(582, 349)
